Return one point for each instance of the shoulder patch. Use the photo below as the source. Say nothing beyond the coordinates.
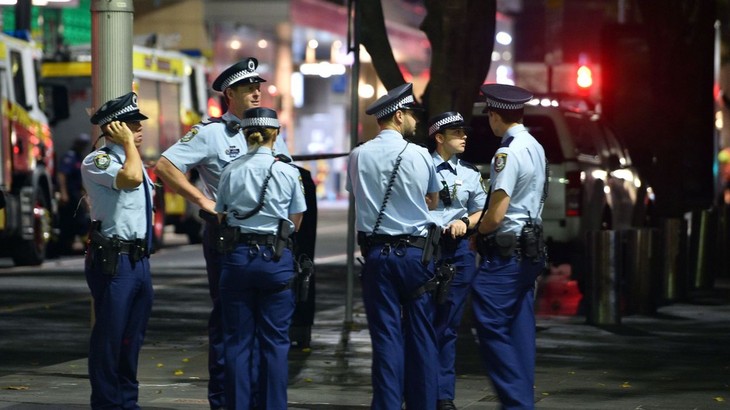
(190, 135)
(102, 160)
(500, 161)
(301, 184)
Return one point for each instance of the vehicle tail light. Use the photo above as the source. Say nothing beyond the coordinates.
(573, 194)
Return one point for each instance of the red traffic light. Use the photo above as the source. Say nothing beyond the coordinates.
(585, 77)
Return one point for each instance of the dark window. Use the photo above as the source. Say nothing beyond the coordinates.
(543, 129)
(16, 66)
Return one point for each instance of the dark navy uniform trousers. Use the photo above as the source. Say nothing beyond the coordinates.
(401, 330)
(448, 314)
(122, 305)
(257, 306)
(503, 308)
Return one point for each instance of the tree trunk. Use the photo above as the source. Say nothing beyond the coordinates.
(461, 33)
(375, 39)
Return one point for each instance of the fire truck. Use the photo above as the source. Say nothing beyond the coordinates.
(173, 93)
(27, 204)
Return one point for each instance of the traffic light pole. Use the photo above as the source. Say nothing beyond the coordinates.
(111, 49)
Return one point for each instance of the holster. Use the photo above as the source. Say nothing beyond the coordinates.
(444, 274)
(104, 252)
(363, 243)
(304, 271)
(432, 244)
(282, 238)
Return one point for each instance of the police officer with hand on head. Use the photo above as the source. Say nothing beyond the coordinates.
(395, 184)
(512, 249)
(461, 199)
(117, 259)
(209, 147)
(261, 201)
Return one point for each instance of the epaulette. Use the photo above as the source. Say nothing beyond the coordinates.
(232, 127)
(112, 153)
(469, 165)
(506, 142)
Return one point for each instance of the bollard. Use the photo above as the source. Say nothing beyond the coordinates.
(672, 260)
(704, 231)
(604, 261)
(639, 271)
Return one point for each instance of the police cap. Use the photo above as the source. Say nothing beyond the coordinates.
(122, 108)
(243, 72)
(505, 97)
(445, 121)
(399, 98)
(259, 117)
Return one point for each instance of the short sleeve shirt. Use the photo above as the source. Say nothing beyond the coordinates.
(369, 173)
(465, 186)
(122, 212)
(518, 168)
(240, 190)
(209, 147)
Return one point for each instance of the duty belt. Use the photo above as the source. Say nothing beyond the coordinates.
(408, 240)
(129, 246)
(257, 239)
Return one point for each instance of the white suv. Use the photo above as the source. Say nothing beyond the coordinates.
(593, 184)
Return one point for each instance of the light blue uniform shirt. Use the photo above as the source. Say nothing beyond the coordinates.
(122, 212)
(519, 170)
(209, 147)
(240, 188)
(369, 169)
(464, 182)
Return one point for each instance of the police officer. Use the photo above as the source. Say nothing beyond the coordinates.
(510, 244)
(72, 211)
(395, 184)
(262, 200)
(209, 147)
(461, 199)
(117, 264)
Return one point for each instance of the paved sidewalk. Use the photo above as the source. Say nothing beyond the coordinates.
(676, 359)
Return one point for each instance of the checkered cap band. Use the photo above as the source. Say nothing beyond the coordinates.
(238, 77)
(260, 122)
(125, 110)
(491, 103)
(395, 106)
(440, 123)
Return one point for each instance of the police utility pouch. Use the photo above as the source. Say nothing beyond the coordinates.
(226, 238)
(444, 274)
(282, 238)
(432, 244)
(506, 244)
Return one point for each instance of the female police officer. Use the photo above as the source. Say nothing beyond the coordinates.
(460, 201)
(117, 264)
(261, 200)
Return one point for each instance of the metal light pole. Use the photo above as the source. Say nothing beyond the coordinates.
(111, 49)
(354, 44)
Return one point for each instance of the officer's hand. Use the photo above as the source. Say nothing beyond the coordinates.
(457, 228)
(120, 132)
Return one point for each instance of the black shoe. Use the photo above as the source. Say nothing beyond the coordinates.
(445, 405)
